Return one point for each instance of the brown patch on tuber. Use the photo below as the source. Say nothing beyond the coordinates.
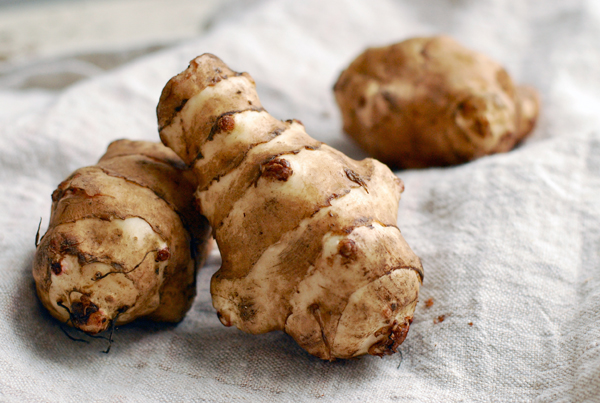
(82, 310)
(247, 309)
(56, 268)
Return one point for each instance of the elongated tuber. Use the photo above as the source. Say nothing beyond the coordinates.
(123, 241)
(308, 236)
(431, 102)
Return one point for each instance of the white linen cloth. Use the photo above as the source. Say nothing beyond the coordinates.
(509, 243)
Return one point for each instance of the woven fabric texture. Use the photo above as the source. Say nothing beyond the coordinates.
(510, 243)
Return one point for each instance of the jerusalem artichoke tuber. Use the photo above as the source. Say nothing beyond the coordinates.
(431, 102)
(118, 246)
(308, 237)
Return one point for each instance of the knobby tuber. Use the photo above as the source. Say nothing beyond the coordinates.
(123, 240)
(308, 236)
(431, 102)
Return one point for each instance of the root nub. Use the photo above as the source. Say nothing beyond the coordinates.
(389, 345)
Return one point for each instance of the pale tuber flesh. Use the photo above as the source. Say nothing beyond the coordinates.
(431, 102)
(123, 240)
(308, 237)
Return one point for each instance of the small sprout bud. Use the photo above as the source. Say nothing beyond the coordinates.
(348, 249)
(226, 123)
(163, 255)
(278, 168)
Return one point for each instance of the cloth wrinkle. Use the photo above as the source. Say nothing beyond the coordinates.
(510, 243)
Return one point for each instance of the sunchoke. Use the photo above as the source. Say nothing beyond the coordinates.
(308, 237)
(123, 240)
(431, 102)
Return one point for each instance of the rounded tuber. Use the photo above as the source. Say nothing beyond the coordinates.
(431, 102)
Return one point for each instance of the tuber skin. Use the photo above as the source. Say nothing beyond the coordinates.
(428, 102)
(118, 245)
(308, 236)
